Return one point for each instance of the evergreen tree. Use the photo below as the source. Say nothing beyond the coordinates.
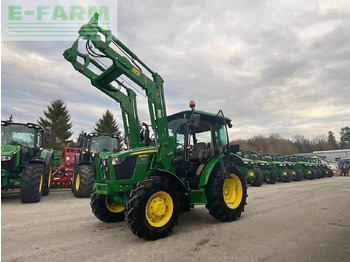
(107, 124)
(57, 119)
(80, 138)
(345, 137)
(331, 140)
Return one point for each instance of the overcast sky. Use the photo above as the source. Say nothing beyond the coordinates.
(271, 66)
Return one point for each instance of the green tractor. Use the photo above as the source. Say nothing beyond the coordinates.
(320, 172)
(306, 168)
(191, 162)
(326, 171)
(291, 168)
(253, 174)
(94, 146)
(279, 167)
(24, 163)
(269, 174)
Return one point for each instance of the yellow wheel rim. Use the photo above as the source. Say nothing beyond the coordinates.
(77, 182)
(114, 208)
(41, 183)
(159, 209)
(233, 191)
(268, 179)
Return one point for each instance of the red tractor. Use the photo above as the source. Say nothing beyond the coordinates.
(64, 173)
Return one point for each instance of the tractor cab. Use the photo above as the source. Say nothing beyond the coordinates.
(24, 138)
(199, 136)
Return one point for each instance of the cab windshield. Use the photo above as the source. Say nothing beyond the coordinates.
(104, 143)
(18, 135)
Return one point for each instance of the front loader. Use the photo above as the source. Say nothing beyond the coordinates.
(190, 164)
(24, 162)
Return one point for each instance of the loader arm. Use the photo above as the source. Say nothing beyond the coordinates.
(126, 65)
(127, 101)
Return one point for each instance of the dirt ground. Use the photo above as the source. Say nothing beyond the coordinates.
(297, 221)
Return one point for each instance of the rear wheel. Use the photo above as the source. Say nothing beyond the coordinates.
(271, 178)
(83, 181)
(32, 183)
(104, 210)
(153, 208)
(258, 178)
(226, 198)
(329, 172)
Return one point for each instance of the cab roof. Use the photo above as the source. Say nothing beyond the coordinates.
(205, 116)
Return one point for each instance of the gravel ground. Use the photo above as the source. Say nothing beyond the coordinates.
(298, 221)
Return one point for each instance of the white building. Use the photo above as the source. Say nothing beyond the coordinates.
(333, 155)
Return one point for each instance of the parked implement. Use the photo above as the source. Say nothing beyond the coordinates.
(63, 173)
(24, 164)
(190, 164)
(94, 147)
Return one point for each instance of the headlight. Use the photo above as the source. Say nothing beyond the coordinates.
(104, 162)
(6, 158)
(117, 160)
(67, 158)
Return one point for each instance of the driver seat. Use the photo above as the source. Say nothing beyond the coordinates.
(198, 150)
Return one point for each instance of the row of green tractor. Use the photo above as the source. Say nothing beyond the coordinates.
(271, 168)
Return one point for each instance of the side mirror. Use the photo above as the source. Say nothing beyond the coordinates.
(48, 136)
(234, 148)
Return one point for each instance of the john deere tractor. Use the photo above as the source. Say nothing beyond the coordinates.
(279, 167)
(291, 168)
(94, 146)
(190, 164)
(251, 172)
(24, 164)
(306, 168)
(269, 174)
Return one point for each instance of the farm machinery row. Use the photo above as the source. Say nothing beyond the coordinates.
(271, 168)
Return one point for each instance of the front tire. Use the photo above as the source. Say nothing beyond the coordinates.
(226, 198)
(272, 177)
(83, 181)
(47, 180)
(299, 175)
(153, 208)
(258, 179)
(104, 210)
(32, 183)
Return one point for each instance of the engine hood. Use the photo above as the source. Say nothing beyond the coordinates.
(9, 150)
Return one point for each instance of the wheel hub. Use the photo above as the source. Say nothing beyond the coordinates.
(159, 209)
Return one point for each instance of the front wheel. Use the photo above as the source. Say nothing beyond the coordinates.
(104, 210)
(271, 178)
(32, 183)
(153, 208)
(258, 178)
(226, 198)
(83, 181)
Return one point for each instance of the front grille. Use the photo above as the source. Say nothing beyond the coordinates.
(125, 170)
(9, 164)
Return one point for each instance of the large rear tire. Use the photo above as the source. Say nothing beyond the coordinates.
(104, 210)
(258, 178)
(83, 181)
(226, 198)
(32, 183)
(153, 208)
